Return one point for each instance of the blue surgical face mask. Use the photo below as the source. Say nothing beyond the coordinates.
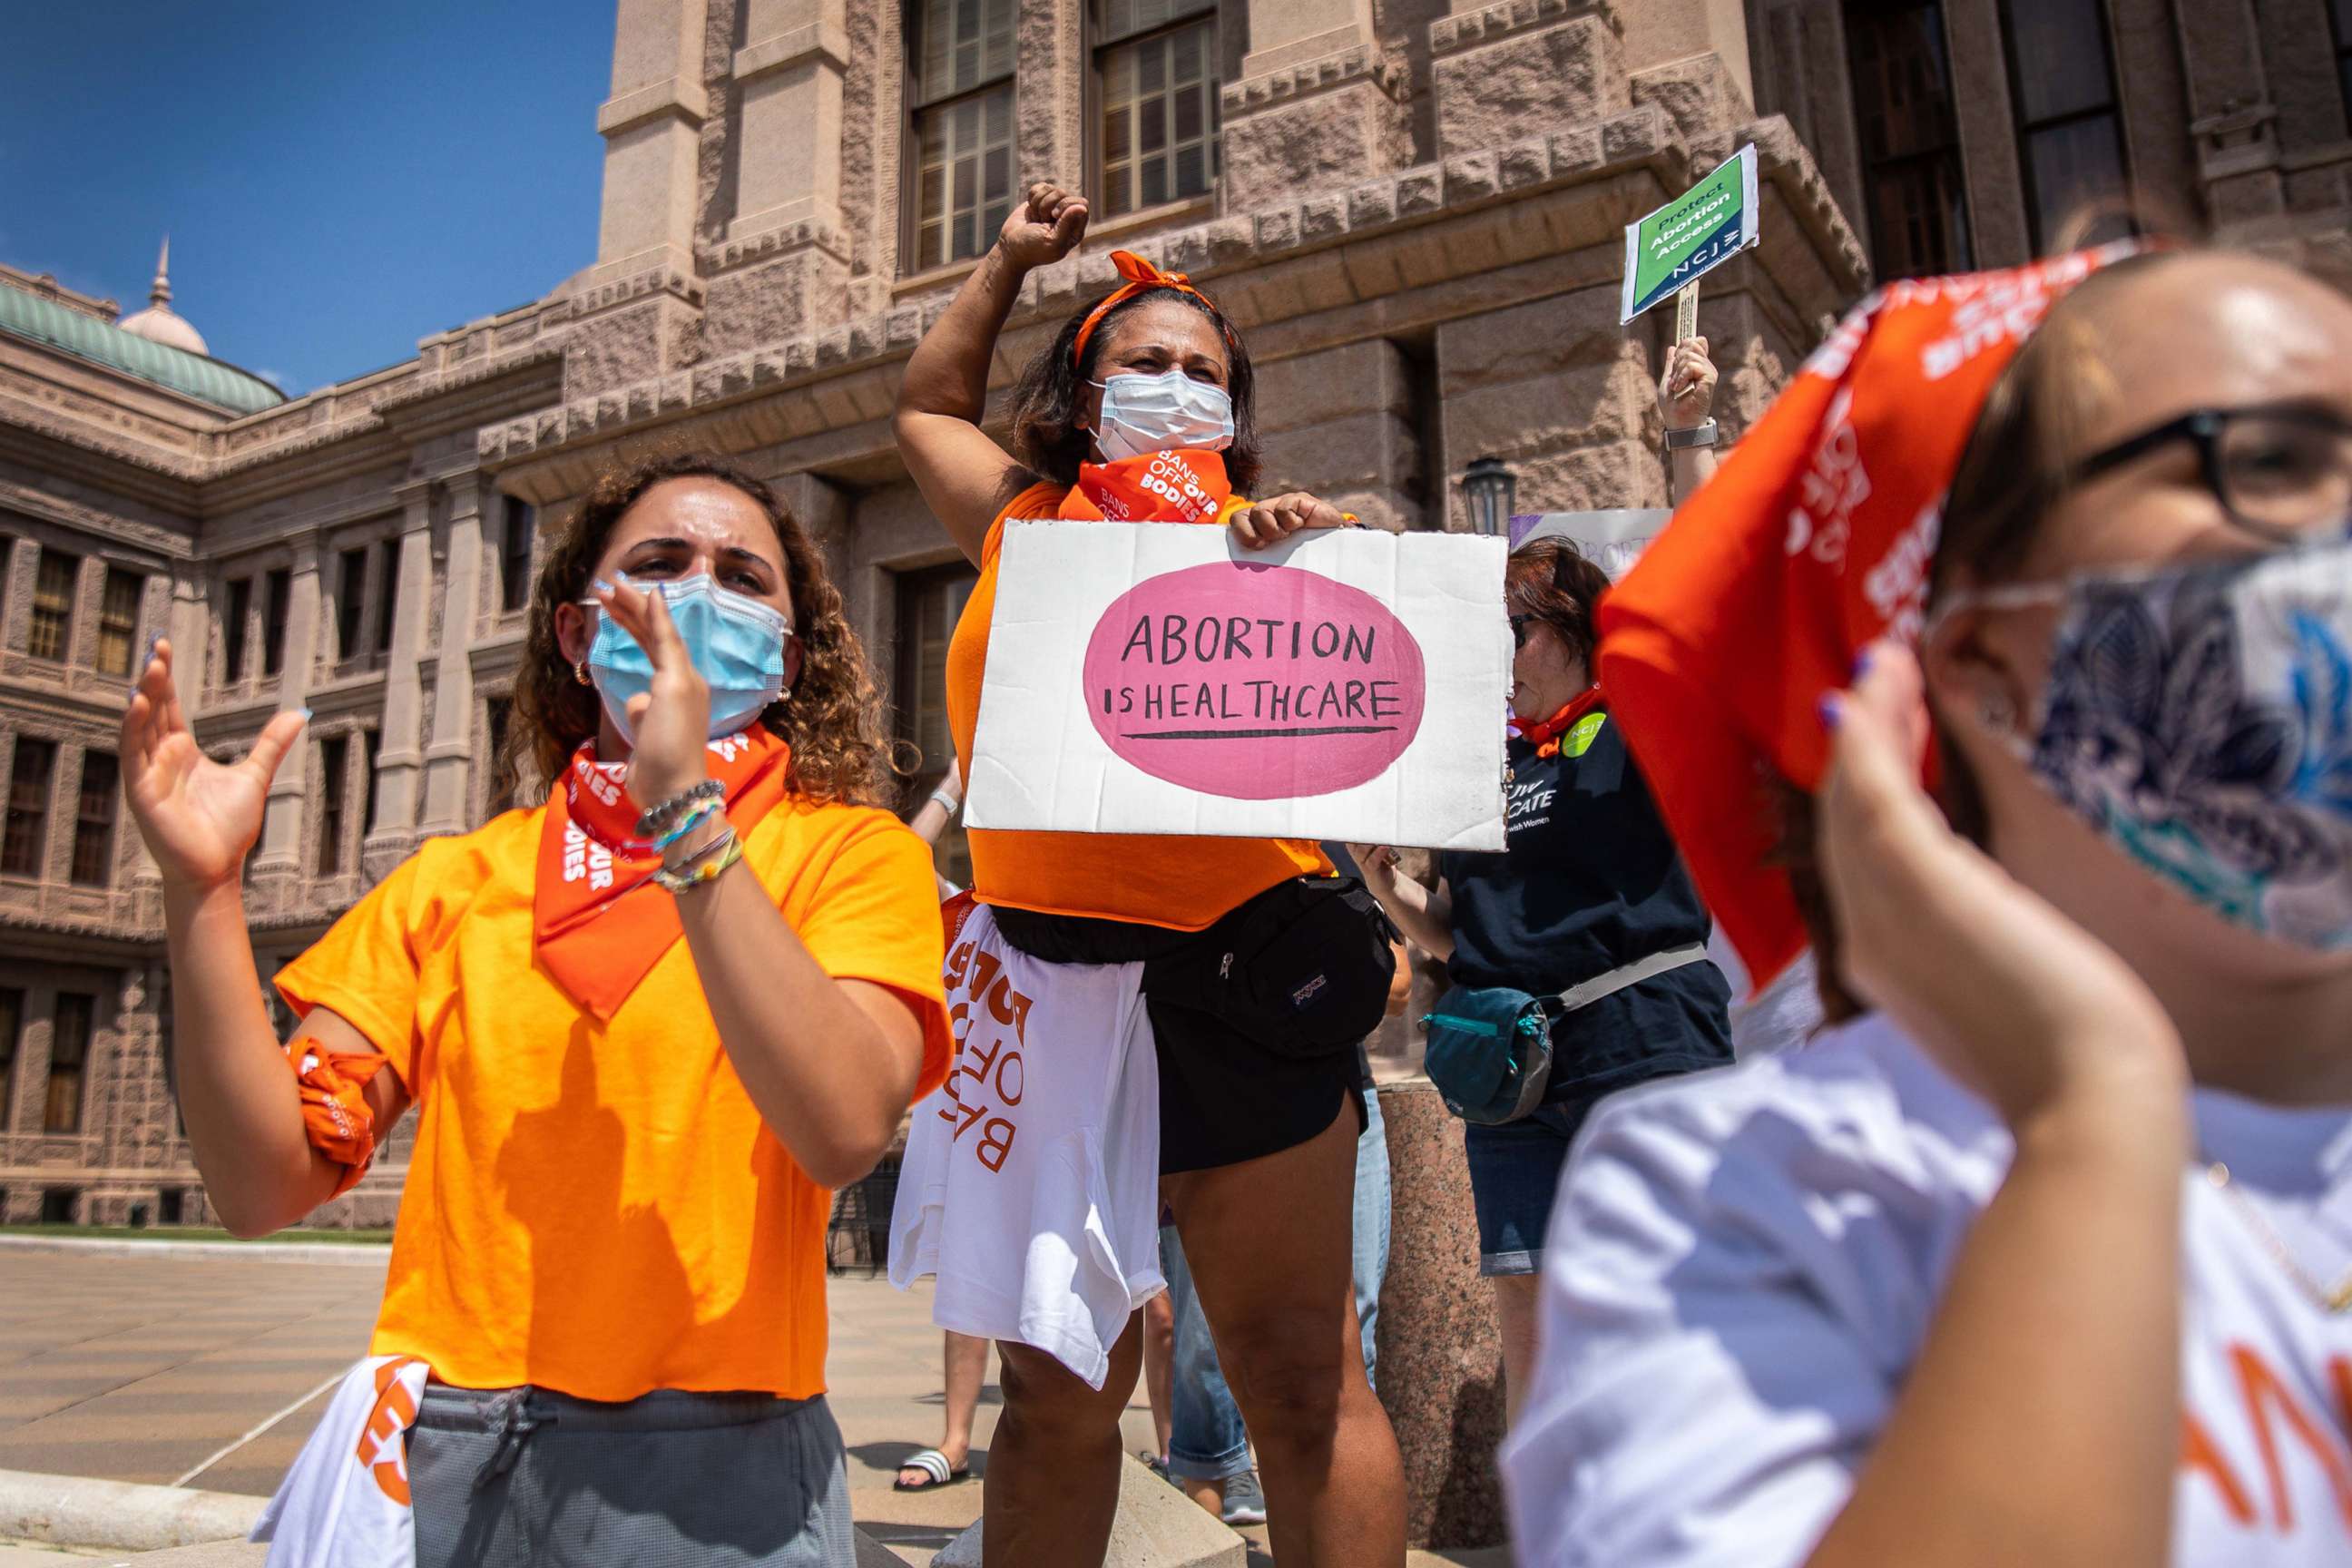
(1146, 414)
(2199, 718)
(737, 645)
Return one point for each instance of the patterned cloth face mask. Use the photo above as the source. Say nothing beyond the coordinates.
(737, 645)
(1146, 414)
(2200, 719)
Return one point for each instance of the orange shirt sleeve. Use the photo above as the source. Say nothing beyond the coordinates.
(365, 968)
(876, 916)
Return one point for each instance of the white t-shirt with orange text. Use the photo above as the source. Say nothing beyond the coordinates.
(1742, 1267)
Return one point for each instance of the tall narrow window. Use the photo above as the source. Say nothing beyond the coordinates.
(25, 845)
(334, 782)
(12, 1029)
(514, 554)
(93, 849)
(929, 606)
(279, 597)
(53, 597)
(233, 618)
(118, 620)
(497, 715)
(351, 601)
(370, 746)
(69, 1061)
(2069, 133)
(387, 591)
(1910, 138)
(1158, 73)
(963, 127)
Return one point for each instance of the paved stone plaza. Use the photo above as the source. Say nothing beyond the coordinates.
(141, 1362)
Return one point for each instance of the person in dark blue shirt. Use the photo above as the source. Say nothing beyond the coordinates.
(1589, 904)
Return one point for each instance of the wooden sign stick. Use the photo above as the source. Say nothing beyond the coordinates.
(1687, 313)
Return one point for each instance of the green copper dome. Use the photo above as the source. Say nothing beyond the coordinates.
(206, 380)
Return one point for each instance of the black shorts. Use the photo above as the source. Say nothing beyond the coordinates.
(1223, 1096)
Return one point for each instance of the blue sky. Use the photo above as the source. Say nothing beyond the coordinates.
(339, 178)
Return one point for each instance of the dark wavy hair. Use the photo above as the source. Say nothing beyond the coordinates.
(1554, 580)
(1051, 395)
(833, 716)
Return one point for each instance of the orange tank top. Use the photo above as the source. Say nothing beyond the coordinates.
(1162, 880)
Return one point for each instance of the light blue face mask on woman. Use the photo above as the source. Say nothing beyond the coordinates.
(737, 645)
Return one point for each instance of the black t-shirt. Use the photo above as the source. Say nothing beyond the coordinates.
(1590, 882)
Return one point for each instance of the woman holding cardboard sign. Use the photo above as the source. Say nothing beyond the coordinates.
(1258, 1131)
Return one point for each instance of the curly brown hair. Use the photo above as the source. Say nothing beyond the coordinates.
(1051, 393)
(833, 716)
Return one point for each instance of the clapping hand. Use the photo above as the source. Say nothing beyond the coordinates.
(198, 817)
(671, 720)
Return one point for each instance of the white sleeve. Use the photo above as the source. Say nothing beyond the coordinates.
(1720, 1340)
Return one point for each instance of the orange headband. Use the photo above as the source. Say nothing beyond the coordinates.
(1141, 279)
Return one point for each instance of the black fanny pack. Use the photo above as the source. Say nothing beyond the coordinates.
(1302, 969)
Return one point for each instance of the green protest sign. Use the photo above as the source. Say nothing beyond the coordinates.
(1699, 230)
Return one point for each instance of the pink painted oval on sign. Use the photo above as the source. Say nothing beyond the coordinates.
(1254, 681)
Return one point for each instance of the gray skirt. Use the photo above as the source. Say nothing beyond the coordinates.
(529, 1476)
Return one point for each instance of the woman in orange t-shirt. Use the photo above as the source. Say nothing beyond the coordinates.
(1140, 409)
(645, 1026)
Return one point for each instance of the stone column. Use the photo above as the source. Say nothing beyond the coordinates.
(17, 599)
(400, 759)
(449, 750)
(1049, 105)
(1341, 424)
(1441, 1352)
(784, 266)
(652, 125)
(1318, 107)
(1507, 72)
(279, 853)
(1556, 388)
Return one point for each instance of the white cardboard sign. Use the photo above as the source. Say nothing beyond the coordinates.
(1614, 539)
(1155, 677)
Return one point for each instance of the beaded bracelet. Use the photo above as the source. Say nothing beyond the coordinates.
(694, 819)
(663, 813)
(709, 867)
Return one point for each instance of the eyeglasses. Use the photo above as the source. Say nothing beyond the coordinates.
(2276, 469)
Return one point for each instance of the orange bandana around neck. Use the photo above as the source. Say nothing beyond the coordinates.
(1544, 734)
(1141, 279)
(1186, 485)
(598, 921)
(1815, 538)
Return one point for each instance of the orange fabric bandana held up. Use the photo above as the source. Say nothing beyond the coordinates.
(598, 922)
(1186, 485)
(1813, 540)
(1141, 279)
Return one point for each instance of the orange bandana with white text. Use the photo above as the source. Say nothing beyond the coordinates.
(1815, 538)
(599, 922)
(1186, 485)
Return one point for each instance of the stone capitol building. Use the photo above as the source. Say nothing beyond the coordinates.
(1413, 207)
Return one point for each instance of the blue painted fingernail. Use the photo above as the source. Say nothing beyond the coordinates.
(1862, 664)
(1830, 710)
(306, 714)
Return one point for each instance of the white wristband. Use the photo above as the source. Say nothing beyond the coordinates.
(946, 802)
